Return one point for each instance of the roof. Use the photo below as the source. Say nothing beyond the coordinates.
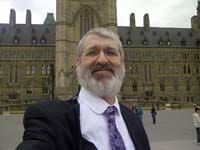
(23, 34)
(159, 37)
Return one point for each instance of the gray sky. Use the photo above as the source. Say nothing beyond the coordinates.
(162, 13)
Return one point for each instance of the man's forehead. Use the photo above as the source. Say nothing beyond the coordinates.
(95, 36)
(93, 39)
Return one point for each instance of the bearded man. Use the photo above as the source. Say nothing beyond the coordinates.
(94, 119)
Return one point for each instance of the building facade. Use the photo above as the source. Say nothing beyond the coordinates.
(27, 59)
(37, 61)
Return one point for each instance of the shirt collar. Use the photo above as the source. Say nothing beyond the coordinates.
(95, 103)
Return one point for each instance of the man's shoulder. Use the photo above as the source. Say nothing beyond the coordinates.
(125, 109)
(53, 106)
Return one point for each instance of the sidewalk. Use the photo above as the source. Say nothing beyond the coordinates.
(174, 130)
(175, 145)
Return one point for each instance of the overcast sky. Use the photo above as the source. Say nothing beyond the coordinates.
(162, 13)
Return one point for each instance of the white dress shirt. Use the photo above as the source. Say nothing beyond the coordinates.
(94, 124)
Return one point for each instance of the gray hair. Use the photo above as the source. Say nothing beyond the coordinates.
(102, 32)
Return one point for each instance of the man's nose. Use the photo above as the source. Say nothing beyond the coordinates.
(102, 57)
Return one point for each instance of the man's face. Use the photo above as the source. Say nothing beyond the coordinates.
(100, 66)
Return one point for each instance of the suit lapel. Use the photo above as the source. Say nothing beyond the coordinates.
(131, 124)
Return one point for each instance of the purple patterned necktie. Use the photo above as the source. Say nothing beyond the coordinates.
(116, 140)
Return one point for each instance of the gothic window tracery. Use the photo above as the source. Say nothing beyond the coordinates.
(29, 88)
(86, 21)
(45, 87)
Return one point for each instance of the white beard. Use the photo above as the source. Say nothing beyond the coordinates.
(109, 88)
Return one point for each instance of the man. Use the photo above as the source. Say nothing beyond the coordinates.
(94, 119)
(153, 114)
(196, 119)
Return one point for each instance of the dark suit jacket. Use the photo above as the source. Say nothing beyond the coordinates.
(54, 125)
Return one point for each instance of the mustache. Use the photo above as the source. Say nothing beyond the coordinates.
(99, 67)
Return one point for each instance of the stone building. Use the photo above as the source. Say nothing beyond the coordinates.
(27, 57)
(37, 61)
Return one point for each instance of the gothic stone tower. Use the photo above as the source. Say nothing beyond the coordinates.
(74, 18)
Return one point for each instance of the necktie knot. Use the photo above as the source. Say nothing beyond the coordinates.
(110, 111)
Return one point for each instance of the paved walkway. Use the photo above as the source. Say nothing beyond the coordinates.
(174, 130)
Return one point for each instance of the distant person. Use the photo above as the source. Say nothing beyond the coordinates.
(94, 119)
(196, 118)
(153, 114)
(139, 112)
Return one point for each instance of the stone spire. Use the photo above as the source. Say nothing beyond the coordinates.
(195, 20)
(132, 22)
(12, 17)
(28, 18)
(146, 23)
(198, 9)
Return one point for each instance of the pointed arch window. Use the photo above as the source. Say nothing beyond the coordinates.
(178, 33)
(198, 42)
(183, 42)
(86, 21)
(189, 70)
(134, 86)
(29, 88)
(175, 85)
(122, 41)
(11, 74)
(44, 70)
(129, 41)
(28, 70)
(45, 87)
(162, 85)
(34, 40)
(167, 33)
(1, 70)
(190, 34)
(160, 41)
(16, 74)
(198, 69)
(43, 40)
(3, 30)
(15, 40)
(49, 69)
(145, 41)
(33, 31)
(188, 85)
(168, 42)
(32, 69)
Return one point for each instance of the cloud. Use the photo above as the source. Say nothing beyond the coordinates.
(168, 13)
(39, 9)
(22, 4)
